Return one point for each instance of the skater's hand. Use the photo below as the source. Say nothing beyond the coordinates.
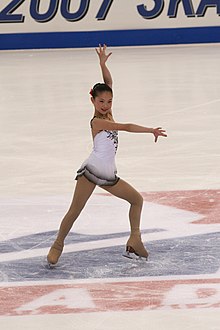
(103, 57)
(158, 132)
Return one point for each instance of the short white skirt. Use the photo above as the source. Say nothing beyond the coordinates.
(101, 172)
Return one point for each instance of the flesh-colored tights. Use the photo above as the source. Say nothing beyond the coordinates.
(83, 191)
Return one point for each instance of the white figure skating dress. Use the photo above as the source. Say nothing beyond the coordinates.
(100, 167)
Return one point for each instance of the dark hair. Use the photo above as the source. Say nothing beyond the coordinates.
(99, 88)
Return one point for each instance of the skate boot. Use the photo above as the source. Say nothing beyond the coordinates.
(135, 248)
(54, 253)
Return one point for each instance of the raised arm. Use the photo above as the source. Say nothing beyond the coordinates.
(103, 57)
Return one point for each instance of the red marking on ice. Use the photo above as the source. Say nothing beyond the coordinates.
(205, 202)
(117, 296)
(206, 292)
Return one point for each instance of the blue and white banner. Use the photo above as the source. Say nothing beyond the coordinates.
(84, 23)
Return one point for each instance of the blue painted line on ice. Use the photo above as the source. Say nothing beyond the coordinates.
(191, 255)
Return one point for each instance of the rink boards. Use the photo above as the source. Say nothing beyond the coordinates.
(83, 23)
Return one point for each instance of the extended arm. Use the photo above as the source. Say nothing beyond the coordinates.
(100, 124)
(103, 57)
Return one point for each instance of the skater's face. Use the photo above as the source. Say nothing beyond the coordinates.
(103, 102)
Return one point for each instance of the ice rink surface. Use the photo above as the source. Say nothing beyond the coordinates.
(45, 111)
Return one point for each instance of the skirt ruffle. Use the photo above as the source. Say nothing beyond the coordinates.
(96, 178)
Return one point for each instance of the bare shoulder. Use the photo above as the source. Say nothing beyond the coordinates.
(99, 124)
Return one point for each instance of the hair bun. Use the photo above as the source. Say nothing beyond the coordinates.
(100, 88)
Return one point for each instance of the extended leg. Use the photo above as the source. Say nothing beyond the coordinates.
(83, 191)
(125, 191)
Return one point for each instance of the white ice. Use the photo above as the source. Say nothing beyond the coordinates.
(45, 110)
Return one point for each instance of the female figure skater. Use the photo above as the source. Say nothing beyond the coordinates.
(99, 169)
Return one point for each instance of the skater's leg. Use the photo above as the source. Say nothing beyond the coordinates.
(125, 191)
(83, 191)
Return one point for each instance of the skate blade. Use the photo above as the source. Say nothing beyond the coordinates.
(49, 265)
(131, 255)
